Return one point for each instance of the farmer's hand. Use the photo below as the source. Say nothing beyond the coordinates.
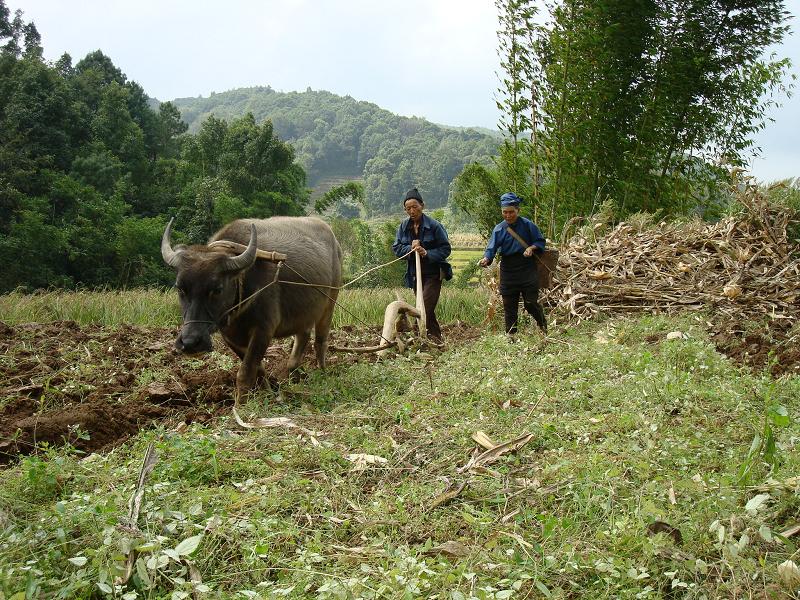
(417, 247)
(528, 252)
(484, 262)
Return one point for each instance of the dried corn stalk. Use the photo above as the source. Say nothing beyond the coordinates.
(741, 264)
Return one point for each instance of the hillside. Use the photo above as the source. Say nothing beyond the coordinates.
(338, 137)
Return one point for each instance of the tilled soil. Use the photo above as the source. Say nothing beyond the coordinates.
(93, 387)
(774, 346)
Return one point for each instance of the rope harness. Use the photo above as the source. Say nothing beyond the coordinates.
(241, 304)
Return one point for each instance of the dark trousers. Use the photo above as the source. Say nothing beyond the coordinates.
(431, 290)
(530, 298)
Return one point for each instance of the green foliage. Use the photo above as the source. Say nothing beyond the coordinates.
(642, 100)
(764, 447)
(517, 93)
(192, 461)
(477, 192)
(89, 171)
(138, 250)
(465, 275)
(372, 246)
(29, 250)
(352, 190)
(646, 104)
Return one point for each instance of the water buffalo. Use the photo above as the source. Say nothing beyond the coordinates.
(212, 283)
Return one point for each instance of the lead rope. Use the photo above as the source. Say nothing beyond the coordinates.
(331, 299)
(317, 286)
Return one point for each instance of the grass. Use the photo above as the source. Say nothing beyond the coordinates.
(159, 308)
(628, 428)
(459, 258)
(143, 307)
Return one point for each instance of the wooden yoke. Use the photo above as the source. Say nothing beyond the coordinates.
(236, 248)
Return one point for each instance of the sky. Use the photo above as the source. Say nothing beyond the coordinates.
(429, 58)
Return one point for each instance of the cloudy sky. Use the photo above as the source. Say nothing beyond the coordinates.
(430, 58)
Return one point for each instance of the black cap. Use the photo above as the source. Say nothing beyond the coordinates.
(413, 194)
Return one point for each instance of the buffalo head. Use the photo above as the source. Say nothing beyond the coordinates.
(208, 284)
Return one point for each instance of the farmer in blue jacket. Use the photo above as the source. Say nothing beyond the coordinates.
(518, 272)
(428, 238)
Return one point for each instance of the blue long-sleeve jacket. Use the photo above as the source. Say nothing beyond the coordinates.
(433, 238)
(501, 241)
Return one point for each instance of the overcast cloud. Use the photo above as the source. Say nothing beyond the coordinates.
(430, 58)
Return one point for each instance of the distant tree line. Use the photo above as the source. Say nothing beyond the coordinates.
(339, 138)
(89, 171)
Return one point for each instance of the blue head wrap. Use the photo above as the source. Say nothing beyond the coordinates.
(510, 199)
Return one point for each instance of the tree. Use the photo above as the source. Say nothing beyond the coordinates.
(21, 39)
(478, 188)
(515, 101)
(32, 251)
(643, 97)
(169, 128)
(201, 224)
(89, 171)
(260, 169)
(137, 246)
(204, 148)
(352, 190)
(640, 102)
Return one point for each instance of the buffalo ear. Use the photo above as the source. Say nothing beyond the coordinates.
(246, 259)
(170, 256)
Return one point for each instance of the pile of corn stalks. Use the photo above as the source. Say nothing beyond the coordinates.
(745, 263)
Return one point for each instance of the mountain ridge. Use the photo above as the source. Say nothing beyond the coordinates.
(339, 137)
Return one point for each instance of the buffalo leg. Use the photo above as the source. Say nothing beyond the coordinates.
(299, 348)
(252, 362)
(321, 330)
(241, 351)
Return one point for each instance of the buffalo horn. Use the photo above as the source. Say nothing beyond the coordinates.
(246, 258)
(171, 257)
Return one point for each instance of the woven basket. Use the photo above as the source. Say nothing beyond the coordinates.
(546, 267)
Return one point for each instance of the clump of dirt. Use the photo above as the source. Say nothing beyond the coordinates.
(774, 345)
(94, 387)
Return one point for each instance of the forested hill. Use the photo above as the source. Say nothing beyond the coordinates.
(337, 137)
(90, 173)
